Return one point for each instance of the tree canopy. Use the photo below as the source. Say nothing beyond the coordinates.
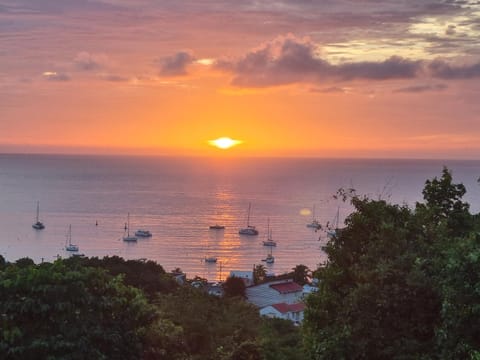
(398, 281)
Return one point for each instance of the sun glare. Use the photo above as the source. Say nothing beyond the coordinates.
(224, 142)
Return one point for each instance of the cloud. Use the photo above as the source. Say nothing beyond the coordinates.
(441, 69)
(114, 78)
(288, 60)
(421, 88)
(177, 64)
(86, 61)
(54, 76)
(395, 67)
(329, 90)
(284, 60)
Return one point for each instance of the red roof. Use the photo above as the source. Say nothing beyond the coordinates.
(284, 308)
(285, 288)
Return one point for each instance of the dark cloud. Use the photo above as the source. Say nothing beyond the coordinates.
(329, 90)
(289, 60)
(283, 61)
(441, 69)
(176, 64)
(394, 67)
(114, 78)
(421, 88)
(86, 61)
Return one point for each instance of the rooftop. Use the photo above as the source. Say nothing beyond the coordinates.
(286, 288)
(284, 308)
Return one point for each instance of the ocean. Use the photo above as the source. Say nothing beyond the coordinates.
(177, 199)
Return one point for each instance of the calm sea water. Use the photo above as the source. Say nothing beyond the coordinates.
(178, 198)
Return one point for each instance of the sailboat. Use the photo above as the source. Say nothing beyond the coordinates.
(249, 230)
(332, 231)
(38, 224)
(270, 259)
(68, 242)
(269, 241)
(314, 224)
(129, 238)
(210, 258)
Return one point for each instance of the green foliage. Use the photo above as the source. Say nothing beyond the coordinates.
(213, 327)
(24, 262)
(399, 284)
(443, 204)
(234, 286)
(281, 340)
(51, 311)
(3, 263)
(145, 275)
(301, 274)
(459, 279)
(259, 273)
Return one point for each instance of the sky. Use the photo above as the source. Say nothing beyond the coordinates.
(326, 78)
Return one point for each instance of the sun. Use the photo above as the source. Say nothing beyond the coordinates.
(224, 142)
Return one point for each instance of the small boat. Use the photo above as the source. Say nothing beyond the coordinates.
(143, 233)
(314, 224)
(270, 259)
(210, 259)
(216, 227)
(129, 238)
(38, 224)
(68, 242)
(249, 230)
(269, 241)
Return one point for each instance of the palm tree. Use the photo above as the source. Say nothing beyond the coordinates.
(301, 273)
(259, 273)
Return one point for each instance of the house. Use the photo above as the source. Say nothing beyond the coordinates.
(275, 292)
(292, 312)
(246, 276)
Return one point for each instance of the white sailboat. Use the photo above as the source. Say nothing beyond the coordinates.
(250, 229)
(129, 238)
(210, 258)
(38, 224)
(68, 242)
(270, 259)
(269, 241)
(332, 231)
(315, 224)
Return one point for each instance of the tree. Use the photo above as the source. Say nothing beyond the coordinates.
(259, 273)
(444, 205)
(24, 262)
(51, 311)
(400, 283)
(234, 286)
(213, 327)
(301, 274)
(3, 263)
(372, 302)
(145, 275)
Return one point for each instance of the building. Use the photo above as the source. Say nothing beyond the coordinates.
(246, 276)
(292, 312)
(279, 299)
(275, 292)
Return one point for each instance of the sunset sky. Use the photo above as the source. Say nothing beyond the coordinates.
(326, 78)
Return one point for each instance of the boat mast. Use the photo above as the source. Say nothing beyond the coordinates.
(128, 226)
(248, 216)
(38, 210)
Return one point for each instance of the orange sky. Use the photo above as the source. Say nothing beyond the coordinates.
(353, 79)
